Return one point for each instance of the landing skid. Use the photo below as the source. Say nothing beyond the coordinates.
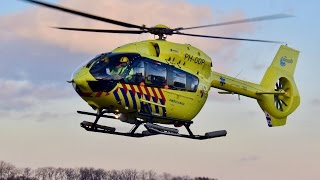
(209, 135)
(151, 128)
(111, 130)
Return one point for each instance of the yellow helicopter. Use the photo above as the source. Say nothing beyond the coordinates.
(157, 82)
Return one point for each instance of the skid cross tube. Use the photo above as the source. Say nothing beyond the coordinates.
(135, 127)
(99, 113)
(187, 126)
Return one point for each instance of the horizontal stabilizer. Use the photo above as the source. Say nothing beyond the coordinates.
(225, 92)
(270, 92)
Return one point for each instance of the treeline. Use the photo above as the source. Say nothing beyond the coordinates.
(10, 172)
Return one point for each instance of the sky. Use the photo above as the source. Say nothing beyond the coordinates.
(38, 121)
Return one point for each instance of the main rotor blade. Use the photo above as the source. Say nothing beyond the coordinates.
(103, 30)
(90, 16)
(228, 38)
(261, 18)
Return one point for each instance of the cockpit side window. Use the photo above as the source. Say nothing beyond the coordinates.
(135, 74)
(112, 65)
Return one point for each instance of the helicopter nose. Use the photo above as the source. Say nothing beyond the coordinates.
(79, 81)
(80, 72)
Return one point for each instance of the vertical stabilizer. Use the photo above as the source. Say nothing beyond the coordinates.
(278, 79)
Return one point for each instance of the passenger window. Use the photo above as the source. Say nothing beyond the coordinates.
(155, 74)
(179, 80)
(152, 73)
(192, 83)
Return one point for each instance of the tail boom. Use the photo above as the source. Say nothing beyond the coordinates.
(277, 93)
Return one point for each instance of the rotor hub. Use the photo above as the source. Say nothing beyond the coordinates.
(161, 31)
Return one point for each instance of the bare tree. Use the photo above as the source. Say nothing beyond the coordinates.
(27, 172)
(50, 172)
(100, 174)
(143, 175)
(85, 173)
(71, 174)
(151, 175)
(166, 176)
(204, 178)
(10, 172)
(147, 175)
(181, 178)
(59, 174)
(7, 170)
(92, 174)
(114, 175)
(129, 174)
(40, 173)
(45, 173)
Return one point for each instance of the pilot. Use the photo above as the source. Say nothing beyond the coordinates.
(121, 67)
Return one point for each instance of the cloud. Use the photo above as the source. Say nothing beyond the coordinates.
(315, 102)
(46, 116)
(259, 67)
(35, 23)
(250, 158)
(18, 95)
(38, 116)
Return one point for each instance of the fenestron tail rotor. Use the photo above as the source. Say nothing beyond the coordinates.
(160, 30)
(282, 85)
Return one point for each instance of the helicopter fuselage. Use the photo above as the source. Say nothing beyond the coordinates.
(159, 78)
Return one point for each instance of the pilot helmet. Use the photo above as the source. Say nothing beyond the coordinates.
(124, 59)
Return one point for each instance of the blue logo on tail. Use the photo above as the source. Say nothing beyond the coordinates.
(284, 60)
